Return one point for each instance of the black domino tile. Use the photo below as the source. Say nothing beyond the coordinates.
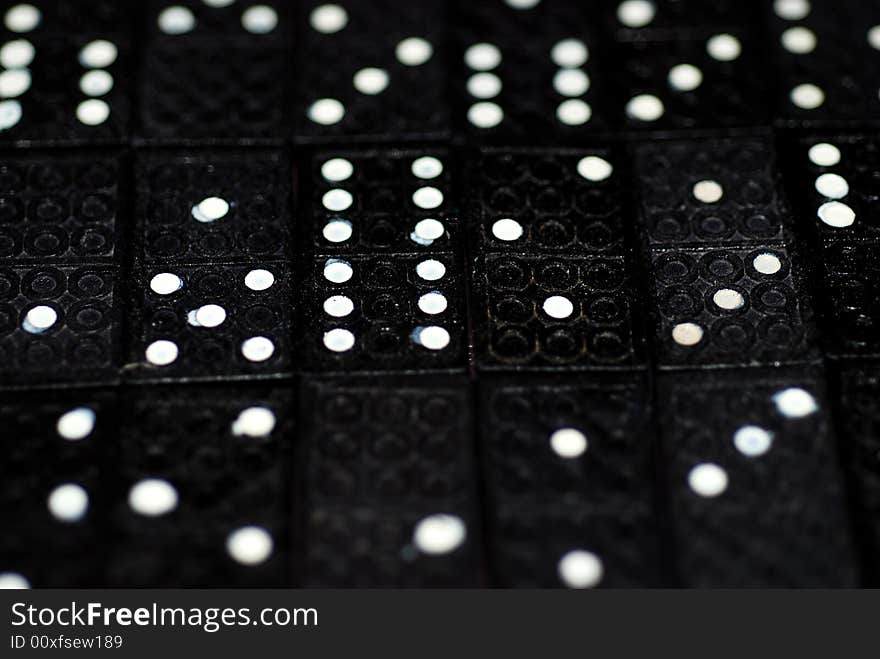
(833, 185)
(771, 323)
(851, 313)
(856, 161)
(211, 260)
(225, 476)
(207, 351)
(729, 92)
(751, 210)
(414, 106)
(85, 337)
(528, 99)
(380, 460)
(60, 209)
(543, 504)
(565, 239)
(257, 226)
(513, 328)
(382, 211)
(385, 294)
(371, 224)
(216, 21)
(88, 16)
(559, 210)
(859, 426)
(215, 82)
(841, 64)
(728, 283)
(50, 550)
(47, 112)
(188, 98)
(782, 519)
(62, 244)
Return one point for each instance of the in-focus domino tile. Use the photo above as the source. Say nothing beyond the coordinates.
(387, 316)
(206, 222)
(249, 191)
(220, 322)
(61, 240)
(747, 207)
(553, 313)
(727, 286)
(569, 468)
(551, 280)
(384, 289)
(384, 459)
(755, 489)
(850, 295)
(832, 181)
(372, 201)
(59, 324)
(555, 208)
(724, 307)
(59, 208)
